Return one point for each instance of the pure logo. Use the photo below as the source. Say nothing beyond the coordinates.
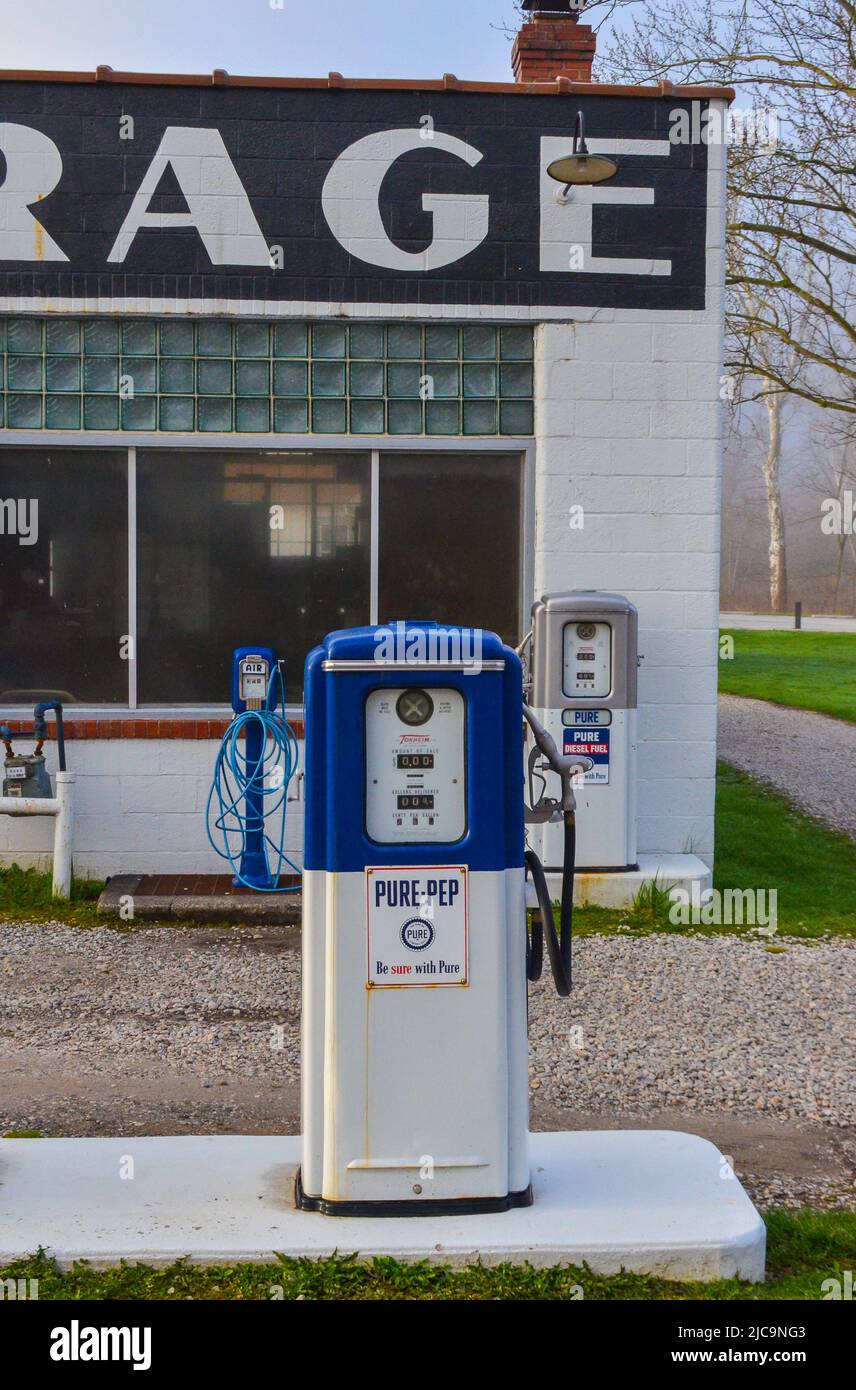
(417, 934)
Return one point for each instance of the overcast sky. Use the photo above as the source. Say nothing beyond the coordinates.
(307, 38)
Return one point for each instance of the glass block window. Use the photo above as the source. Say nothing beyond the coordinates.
(211, 376)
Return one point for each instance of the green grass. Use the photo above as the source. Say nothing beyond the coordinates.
(762, 842)
(813, 670)
(25, 894)
(804, 1249)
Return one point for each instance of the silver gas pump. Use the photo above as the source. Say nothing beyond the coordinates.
(582, 688)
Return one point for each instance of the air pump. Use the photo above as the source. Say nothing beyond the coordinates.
(257, 759)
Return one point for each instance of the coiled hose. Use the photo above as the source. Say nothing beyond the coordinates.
(269, 775)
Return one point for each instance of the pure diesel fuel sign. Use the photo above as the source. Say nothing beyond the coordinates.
(156, 195)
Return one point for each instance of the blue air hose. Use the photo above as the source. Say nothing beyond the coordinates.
(270, 775)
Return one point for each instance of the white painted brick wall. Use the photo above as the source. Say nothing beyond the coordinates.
(140, 808)
(628, 425)
(647, 382)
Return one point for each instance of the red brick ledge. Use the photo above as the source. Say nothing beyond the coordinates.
(559, 86)
(102, 728)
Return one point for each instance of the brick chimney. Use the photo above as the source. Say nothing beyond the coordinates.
(552, 43)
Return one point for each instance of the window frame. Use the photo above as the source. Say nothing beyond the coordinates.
(522, 447)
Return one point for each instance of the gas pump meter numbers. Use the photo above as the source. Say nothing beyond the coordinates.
(587, 660)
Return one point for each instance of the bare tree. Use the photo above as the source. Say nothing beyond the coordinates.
(759, 430)
(771, 465)
(831, 485)
(791, 216)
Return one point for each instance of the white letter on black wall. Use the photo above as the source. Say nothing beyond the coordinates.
(351, 202)
(569, 224)
(33, 170)
(218, 206)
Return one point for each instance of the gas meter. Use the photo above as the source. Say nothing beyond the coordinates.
(583, 672)
(25, 774)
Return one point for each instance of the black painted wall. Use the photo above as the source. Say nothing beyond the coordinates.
(283, 142)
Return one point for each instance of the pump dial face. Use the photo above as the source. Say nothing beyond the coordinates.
(416, 766)
(253, 678)
(587, 660)
(414, 707)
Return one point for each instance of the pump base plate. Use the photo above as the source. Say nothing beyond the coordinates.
(464, 1206)
(649, 1201)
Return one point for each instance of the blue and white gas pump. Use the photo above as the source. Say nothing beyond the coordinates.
(415, 950)
(257, 759)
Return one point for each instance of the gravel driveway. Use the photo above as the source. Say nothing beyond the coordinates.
(808, 756)
(197, 1031)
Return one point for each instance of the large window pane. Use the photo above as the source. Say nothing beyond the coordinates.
(63, 575)
(450, 540)
(237, 548)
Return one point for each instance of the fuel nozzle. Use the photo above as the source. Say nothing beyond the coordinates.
(564, 765)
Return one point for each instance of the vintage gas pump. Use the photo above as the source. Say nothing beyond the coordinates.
(415, 951)
(583, 689)
(415, 1091)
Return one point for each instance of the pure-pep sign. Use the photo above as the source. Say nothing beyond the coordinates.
(398, 892)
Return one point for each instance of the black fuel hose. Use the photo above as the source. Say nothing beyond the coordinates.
(543, 925)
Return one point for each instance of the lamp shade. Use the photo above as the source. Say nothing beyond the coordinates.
(582, 168)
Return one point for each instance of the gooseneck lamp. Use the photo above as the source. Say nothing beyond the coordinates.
(580, 167)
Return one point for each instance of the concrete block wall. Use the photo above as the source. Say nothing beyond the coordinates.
(628, 427)
(628, 424)
(139, 808)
